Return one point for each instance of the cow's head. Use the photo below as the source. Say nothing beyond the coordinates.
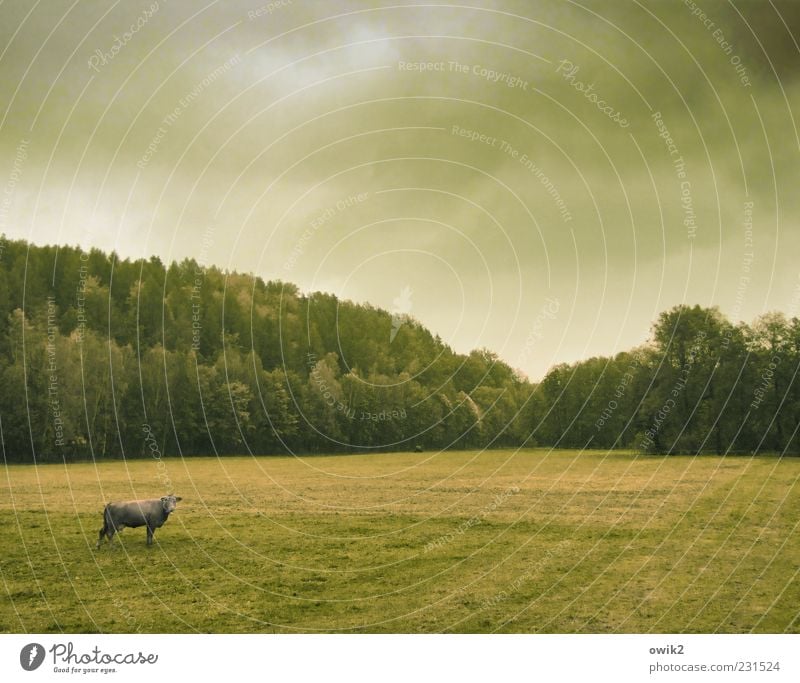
(169, 503)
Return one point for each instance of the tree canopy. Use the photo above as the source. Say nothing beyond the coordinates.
(102, 357)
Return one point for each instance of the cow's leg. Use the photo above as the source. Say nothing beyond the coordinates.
(150, 531)
(102, 533)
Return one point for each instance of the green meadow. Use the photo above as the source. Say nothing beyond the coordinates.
(460, 541)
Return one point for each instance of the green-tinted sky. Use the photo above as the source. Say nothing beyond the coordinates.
(559, 235)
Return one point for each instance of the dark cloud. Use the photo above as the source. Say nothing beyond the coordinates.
(492, 177)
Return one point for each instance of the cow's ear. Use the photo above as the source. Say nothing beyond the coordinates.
(178, 499)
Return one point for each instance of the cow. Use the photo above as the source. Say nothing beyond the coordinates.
(152, 513)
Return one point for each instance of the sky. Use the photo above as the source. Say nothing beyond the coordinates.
(543, 178)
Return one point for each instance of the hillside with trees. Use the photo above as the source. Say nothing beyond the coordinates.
(107, 358)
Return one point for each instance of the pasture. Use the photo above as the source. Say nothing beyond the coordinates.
(499, 541)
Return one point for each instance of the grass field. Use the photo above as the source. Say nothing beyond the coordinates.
(528, 541)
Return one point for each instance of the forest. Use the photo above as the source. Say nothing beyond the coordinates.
(103, 357)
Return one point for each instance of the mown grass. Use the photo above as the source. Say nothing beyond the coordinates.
(528, 541)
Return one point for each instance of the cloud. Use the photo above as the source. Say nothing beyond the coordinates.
(501, 170)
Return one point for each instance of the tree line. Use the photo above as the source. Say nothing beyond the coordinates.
(700, 385)
(102, 357)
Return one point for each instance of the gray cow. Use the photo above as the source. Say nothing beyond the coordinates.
(135, 513)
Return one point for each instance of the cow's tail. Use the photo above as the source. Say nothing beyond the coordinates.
(106, 525)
